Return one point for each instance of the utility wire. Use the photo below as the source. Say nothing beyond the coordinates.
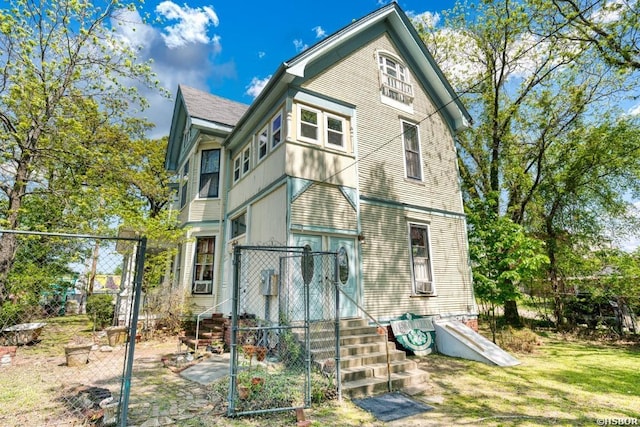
(457, 96)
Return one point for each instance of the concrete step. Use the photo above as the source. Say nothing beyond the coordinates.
(374, 385)
(363, 359)
(377, 370)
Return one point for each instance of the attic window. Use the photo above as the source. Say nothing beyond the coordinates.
(394, 79)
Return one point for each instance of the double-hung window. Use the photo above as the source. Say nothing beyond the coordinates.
(421, 260)
(203, 265)
(309, 125)
(323, 128)
(209, 173)
(276, 130)
(263, 141)
(242, 163)
(335, 132)
(412, 157)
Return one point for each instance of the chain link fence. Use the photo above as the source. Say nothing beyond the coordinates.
(68, 315)
(283, 330)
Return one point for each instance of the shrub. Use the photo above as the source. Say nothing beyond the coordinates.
(100, 308)
(518, 340)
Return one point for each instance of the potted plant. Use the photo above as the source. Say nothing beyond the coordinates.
(261, 353)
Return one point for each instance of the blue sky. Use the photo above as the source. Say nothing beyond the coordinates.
(231, 48)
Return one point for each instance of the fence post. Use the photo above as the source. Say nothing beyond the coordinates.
(126, 382)
(233, 366)
(336, 268)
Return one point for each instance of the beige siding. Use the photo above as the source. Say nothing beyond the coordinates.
(267, 222)
(381, 169)
(206, 210)
(314, 163)
(386, 263)
(261, 176)
(325, 206)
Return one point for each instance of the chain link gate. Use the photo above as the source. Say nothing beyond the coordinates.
(284, 329)
(68, 315)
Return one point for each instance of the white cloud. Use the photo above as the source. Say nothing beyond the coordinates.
(256, 86)
(634, 111)
(320, 33)
(428, 19)
(192, 65)
(611, 11)
(192, 26)
(300, 45)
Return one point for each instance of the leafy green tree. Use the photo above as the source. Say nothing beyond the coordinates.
(612, 28)
(531, 93)
(67, 98)
(503, 257)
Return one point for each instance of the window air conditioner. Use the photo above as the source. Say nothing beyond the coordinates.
(424, 288)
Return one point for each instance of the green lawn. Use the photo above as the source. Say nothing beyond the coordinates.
(563, 382)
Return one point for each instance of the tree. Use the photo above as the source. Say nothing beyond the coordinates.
(611, 28)
(502, 257)
(67, 95)
(530, 91)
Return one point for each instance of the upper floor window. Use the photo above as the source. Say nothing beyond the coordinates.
(209, 173)
(413, 164)
(421, 259)
(394, 79)
(262, 143)
(242, 163)
(276, 130)
(335, 131)
(270, 136)
(185, 181)
(308, 124)
(321, 127)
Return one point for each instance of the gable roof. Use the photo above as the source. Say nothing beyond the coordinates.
(392, 17)
(212, 108)
(204, 111)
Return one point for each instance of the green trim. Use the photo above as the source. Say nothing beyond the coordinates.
(406, 206)
(259, 195)
(298, 186)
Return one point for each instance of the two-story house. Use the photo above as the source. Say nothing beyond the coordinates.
(349, 148)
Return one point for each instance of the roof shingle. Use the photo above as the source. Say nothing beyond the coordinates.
(203, 105)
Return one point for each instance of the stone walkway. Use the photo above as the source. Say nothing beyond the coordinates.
(162, 397)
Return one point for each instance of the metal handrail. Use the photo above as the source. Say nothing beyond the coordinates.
(386, 335)
(198, 320)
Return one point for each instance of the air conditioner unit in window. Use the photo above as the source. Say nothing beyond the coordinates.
(202, 287)
(424, 288)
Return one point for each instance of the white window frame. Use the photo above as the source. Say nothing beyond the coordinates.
(422, 287)
(406, 150)
(318, 125)
(322, 128)
(264, 132)
(200, 285)
(343, 121)
(395, 81)
(184, 185)
(276, 131)
(242, 164)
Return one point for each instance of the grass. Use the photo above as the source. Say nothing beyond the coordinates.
(563, 382)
